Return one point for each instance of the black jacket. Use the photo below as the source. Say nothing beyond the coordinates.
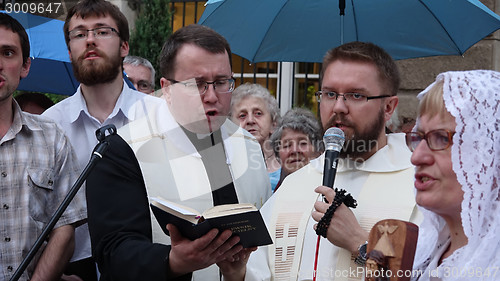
(119, 219)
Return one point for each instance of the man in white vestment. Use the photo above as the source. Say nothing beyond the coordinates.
(359, 84)
(190, 153)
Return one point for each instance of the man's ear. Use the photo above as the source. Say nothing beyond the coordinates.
(124, 49)
(166, 89)
(25, 69)
(389, 107)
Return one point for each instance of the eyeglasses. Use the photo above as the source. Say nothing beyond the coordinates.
(144, 86)
(436, 139)
(221, 86)
(351, 98)
(99, 33)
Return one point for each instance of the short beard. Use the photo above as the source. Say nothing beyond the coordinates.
(361, 144)
(92, 73)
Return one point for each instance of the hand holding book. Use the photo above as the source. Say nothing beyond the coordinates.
(187, 255)
(242, 219)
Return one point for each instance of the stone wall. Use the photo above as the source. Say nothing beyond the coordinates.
(417, 74)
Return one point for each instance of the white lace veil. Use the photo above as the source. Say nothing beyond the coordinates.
(473, 98)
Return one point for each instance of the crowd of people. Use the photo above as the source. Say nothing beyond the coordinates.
(201, 141)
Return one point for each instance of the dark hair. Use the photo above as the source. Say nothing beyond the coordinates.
(12, 24)
(99, 8)
(367, 52)
(37, 98)
(201, 36)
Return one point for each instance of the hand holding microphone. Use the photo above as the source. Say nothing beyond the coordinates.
(334, 140)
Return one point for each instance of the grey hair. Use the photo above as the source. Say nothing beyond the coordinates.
(300, 120)
(255, 90)
(139, 61)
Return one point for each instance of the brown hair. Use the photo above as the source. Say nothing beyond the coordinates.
(39, 99)
(201, 36)
(12, 24)
(367, 52)
(100, 8)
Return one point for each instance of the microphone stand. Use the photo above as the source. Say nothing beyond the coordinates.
(102, 134)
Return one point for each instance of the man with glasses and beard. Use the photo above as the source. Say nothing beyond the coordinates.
(97, 35)
(359, 83)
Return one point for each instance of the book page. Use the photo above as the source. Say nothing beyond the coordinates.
(228, 209)
(174, 206)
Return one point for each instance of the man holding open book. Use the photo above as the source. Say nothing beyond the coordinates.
(188, 153)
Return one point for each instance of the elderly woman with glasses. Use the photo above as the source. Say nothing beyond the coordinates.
(456, 151)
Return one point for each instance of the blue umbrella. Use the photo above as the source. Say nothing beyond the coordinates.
(51, 70)
(303, 30)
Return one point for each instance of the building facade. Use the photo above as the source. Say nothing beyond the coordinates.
(294, 84)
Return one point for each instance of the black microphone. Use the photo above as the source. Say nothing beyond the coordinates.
(334, 140)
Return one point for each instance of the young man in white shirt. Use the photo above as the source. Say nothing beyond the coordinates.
(97, 36)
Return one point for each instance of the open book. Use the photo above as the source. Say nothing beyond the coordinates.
(242, 219)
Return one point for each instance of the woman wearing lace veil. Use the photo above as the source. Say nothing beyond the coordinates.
(457, 177)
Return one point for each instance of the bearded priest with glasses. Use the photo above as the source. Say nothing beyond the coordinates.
(359, 85)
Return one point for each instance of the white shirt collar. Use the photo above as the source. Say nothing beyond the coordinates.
(171, 129)
(127, 98)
